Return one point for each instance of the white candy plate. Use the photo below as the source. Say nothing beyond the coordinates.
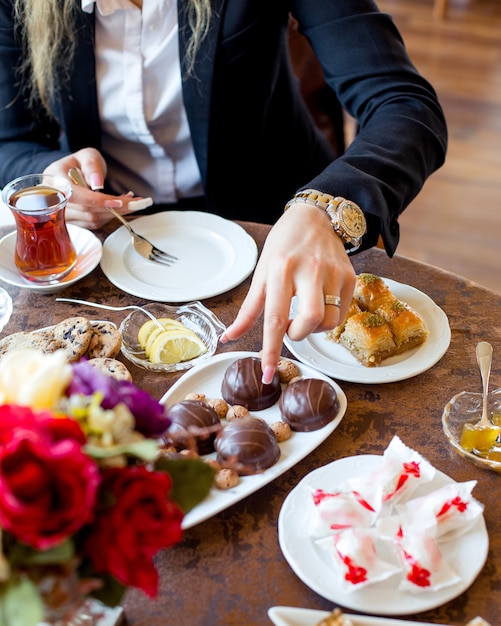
(466, 555)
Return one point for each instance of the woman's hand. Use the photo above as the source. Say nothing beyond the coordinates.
(87, 207)
(302, 257)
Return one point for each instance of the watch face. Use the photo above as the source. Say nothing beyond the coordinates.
(352, 219)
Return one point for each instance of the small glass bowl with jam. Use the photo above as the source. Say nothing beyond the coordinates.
(460, 421)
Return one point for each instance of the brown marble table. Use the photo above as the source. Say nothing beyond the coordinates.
(229, 569)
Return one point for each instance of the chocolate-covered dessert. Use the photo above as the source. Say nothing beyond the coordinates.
(248, 445)
(308, 404)
(242, 384)
(193, 423)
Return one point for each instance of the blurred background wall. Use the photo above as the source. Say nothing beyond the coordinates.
(455, 222)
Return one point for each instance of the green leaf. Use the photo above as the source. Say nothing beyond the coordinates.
(25, 555)
(192, 480)
(112, 591)
(146, 450)
(20, 603)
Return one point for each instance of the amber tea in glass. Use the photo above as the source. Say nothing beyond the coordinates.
(44, 252)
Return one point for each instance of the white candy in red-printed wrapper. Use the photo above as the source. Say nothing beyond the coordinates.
(423, 567)
(356, 559)
(452, 508)
(334, 510)
(401, 472)
(373, 528)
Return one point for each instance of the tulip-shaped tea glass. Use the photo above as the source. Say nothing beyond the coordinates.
(44, 252)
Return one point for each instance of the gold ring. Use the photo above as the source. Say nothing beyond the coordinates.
(334, 300)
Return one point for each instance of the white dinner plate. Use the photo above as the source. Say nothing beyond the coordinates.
(336, 361)
(466, 554)
(214, 255)
(206, 378)
(292, 616)
(87, 246)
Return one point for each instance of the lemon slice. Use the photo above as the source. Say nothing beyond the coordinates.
(157, 331)
(173, 346)
(148, 327)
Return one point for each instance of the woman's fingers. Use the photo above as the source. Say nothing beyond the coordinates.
(87, 205)
(308, 262)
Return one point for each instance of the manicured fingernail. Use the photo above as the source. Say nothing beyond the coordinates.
(137, 205)
(223, 338)
(268, 374)
(113, 204)
(96, 182)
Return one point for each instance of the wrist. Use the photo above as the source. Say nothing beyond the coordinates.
(347, 219)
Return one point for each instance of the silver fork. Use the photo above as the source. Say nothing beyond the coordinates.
(143, 246)
(98, 305)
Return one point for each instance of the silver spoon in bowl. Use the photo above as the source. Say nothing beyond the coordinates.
(484, 360)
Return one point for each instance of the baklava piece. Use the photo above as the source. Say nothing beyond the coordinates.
(335, 333)
(406, 325)
(378, 325)
(369, 338)
(370, 291)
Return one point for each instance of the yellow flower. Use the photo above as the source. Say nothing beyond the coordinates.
(31, 378)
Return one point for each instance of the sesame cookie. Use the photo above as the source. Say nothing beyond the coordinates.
(75, 334)
(111, 367)
(106, 341)
(37, 340)
(16, 341)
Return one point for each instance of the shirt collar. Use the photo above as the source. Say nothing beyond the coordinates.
(106, 7)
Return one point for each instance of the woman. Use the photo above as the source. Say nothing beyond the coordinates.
(195, 104)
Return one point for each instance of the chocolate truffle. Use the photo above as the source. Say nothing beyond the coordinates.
(193, 422)
(308, 404)
(242, 384)
(248, 445)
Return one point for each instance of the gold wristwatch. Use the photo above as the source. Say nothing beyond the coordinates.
(347, 218)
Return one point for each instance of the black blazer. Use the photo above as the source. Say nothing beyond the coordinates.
(254, 139)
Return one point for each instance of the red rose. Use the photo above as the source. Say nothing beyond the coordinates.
(22, 417)
(136, 521)
(48, 485)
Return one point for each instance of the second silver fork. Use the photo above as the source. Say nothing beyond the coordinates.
(143, 246)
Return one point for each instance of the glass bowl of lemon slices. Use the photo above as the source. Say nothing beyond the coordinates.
(165, 338)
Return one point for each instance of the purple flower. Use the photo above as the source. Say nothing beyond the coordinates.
(149, 413)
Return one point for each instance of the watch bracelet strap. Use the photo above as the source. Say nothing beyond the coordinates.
(329, 204)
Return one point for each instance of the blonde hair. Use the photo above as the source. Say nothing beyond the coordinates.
(48, 33)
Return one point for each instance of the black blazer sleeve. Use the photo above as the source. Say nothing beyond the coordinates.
(403, 136)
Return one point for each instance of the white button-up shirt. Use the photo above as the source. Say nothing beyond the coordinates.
(146, 139)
